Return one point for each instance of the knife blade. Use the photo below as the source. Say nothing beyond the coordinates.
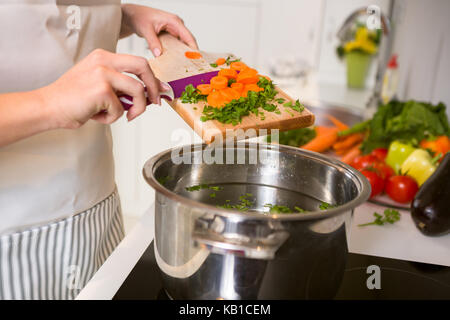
(176, 88)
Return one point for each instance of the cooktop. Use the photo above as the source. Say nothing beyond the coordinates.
(399, 279)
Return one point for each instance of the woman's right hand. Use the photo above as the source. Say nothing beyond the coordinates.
(90, 89)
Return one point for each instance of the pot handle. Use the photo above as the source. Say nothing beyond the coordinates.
(207, 237)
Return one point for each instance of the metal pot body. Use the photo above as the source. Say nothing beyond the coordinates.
(206, 252)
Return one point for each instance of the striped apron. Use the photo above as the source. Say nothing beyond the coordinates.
(57, 260)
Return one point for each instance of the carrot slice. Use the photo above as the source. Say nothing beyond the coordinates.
(250, 87)
(238, 86)
(228, 73)
(230, 94)
(220, 61)
(248, 76)
(323, 140)
(193, 55)
(219, 82)
(204, 88)
(339, 124)
(238, 66)
(215, 99)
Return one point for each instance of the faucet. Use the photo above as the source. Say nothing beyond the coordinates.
(345, 34)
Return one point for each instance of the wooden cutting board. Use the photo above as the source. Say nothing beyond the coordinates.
(173, 65)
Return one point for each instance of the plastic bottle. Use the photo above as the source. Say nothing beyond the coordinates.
(390, 80)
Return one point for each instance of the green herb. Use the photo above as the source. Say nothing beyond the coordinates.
(280, 100)
(325, 206)
(410, 122)
(295, 138)
(274, 208)
(390, 216)
(297, 106)
(191, 95)
(228, 60)
(231, 81)
(243, 205)
(299, 209)
(163, 180)
(212, 195)
(214, 65)
(203, 186)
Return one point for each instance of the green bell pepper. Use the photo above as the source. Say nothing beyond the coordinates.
(419, 166)
(397, 154)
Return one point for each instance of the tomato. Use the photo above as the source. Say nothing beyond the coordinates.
(401, 188)
(362, 162)
(380, 153)
(383, 169)
(376, 182)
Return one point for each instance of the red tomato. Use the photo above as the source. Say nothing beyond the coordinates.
(380, 153)
(376, 182)
(401, 188)
(362, 162)
(383, 169)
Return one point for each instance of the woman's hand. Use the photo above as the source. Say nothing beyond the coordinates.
(89, 90)
(148, 22)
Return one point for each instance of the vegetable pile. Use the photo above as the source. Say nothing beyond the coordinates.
(236, 92)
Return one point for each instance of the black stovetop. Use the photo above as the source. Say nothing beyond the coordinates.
(399, 279)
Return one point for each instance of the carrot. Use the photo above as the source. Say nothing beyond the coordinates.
(248, 76)
(323, 140)
(238, 66)
(348, 141)
(340, 125)
(219, 82)
(220, 61)
(250, 87)
(215, 99)
(230, 94)
(323, 129)
(204, 88)
(238, 86)
(193, 55)
(351, 154)
(228, 73)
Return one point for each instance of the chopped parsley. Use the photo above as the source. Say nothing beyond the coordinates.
(389, 216)
(163, 180)
(243, 205)
(202, 187)
(191, 95)
(326, 205)
(214, 65)
(228, 60)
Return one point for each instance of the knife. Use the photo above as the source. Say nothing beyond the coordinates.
(176, 88)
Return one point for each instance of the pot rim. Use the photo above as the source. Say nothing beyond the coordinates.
(361, 182)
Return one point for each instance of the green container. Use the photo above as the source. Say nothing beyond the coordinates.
(358, 64)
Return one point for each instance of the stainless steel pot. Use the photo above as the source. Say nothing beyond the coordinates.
(206, 252)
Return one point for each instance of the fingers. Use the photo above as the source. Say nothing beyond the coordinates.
(177, 28)
(153, 41)
(137, 66)
(125, 84)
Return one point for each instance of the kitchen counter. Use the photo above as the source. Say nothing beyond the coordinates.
(398, 241)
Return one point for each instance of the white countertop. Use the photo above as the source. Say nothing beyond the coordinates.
(399, 241)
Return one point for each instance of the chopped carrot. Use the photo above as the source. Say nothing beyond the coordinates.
(348, 141)
(323, 140)
(248, 76)
(238, 66)
(228, 73)
(193, 55)
(230, 94)
(322, 129)
(339, 124)
(219, 82)
(351, 154)
(215, 99)
(220, 61)
(204, 88)
(250, 87)
(238, 86)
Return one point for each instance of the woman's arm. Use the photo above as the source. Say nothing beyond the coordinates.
(148, 22)
(87, 91)
(23, 114)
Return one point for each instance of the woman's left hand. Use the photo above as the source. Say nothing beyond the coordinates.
(148, 22)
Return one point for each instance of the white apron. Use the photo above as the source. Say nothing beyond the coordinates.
(59, 212)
